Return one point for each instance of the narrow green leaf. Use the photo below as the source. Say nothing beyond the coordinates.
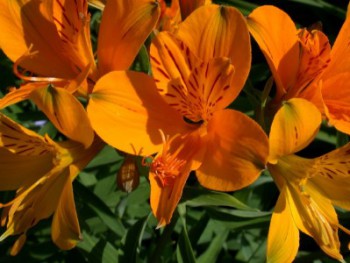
(100, 208)
(211, 254)
(199, 197)
(184, 251)
(133, 240)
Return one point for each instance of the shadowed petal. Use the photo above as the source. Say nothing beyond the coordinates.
(65, 231)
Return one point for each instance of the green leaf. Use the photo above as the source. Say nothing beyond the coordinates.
(184, 251)
(133, 240)
(211, 254)
(201, 197)
(100, 208)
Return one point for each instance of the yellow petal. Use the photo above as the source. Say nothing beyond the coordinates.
(24, 169)
(124, 28)
(283, 237)
(17, 246)
(237, 151)
(331, 175)
(65, 230)
(126, 111)
(27, 23)
(267, 24)
(294, 126)
(315, 215)
(219, 31)
(65, 112)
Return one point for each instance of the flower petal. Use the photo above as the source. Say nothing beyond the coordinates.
(340, 52)
(237, 150)
(283, 237)
(267, 24)
(336, 98)
(126, 111)
(167, 183)
(331, 176)
(73, 26)
(315, 215)
(27, 23)
(219, 31)
(188, 6)
(20, 140)
(65, 112)
(129, 22)
(65, 230)
(24, 169)
(294, 126)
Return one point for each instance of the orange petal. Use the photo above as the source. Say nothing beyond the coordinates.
(337, 103)
(188, 6)
(294, 126)
(126, 111)
(73, 25)
(283, 237)
(340, 53)
(237, 150)
(267, 24)
(129, 22)
(18, 95)
(169, 172)
(27, 23)
(171, 60)
(65, 112)
(219, 31)
(65, 230)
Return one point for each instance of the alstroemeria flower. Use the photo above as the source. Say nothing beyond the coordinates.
(198, 73)
(303, 63)
(51, 39)
(41, 171)
(309, 188)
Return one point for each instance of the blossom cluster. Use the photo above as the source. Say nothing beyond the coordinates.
(176, 116)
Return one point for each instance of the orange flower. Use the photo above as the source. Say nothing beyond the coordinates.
(42, 173)
(309, 188)
(198, 73)
(53, 41)
(303, 64)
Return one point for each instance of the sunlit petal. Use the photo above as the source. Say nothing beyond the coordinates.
(267, 24)
(126, 110)
(292, 129)
(124, 27)
(219, 31)
(65, 112)
(237, 149)
(283, 237)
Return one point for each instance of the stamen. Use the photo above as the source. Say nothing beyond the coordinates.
(167, 167)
